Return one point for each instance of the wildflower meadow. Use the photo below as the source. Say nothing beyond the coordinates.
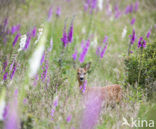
(77, 64)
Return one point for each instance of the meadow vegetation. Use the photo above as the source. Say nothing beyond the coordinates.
(42, 43)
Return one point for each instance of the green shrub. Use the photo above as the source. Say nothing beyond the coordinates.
(148, 69)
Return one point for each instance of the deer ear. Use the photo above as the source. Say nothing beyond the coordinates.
(87, 66)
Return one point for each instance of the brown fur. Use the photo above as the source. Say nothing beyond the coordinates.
(112, 93)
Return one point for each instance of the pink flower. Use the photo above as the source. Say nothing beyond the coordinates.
(98, 50)
(16, 39)
(25, 101)
(103, 51)
(12, 120)
(75, 55)
(69, 118)
(84, 51)
(43, 58)
(58, 11)
(5, 76)
(91, 112)
(83, 87)
(34, 31)
(141, 43)
(133, 21)
(105, 39)
(148, 33)
(64, 38)
(15, 29)
(50, 13)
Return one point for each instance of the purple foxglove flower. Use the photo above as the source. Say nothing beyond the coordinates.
(103, 51)
(98, 50)
(91, 112)
(5, 64)
(27, 41)
(5, 76)
(133, 21)
(70, 33)
(5, 113)
(148, 33)
(51, 45)
(16, 39)
(15, 29)
(117, 11)
(85, 7)
(55, 102)
(69, 118)
(75, 55)
(83, 87)
(12, 121)
(141, 43)
(45, 70)
(127, 9)
(11, 66)
(44, 74)
(131, 52)
(105, 39)
(117, 14)
(58, 11)
(25, 101)
(131, 8)
(64, 39)
(50, 13)
(82, 44)
(136, 5)
(133, 37)
(34, 31)
(43, 58)
(94, 4)
(13, 72)
(16, 92)
(84, 51)
(88, 2)
(52, 113)
(144, 44)
(116, 7)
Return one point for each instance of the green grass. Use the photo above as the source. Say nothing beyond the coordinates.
(106, 71)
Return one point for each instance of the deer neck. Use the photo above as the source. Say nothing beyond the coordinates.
(81, 83)
(82, 86)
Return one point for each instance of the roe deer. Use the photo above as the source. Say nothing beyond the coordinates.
(112, 93)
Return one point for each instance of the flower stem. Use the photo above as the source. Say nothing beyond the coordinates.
(140, 65)
(129, 48)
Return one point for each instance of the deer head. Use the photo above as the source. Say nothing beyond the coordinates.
(81, 73)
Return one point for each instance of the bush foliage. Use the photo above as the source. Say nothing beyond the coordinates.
(148, 68)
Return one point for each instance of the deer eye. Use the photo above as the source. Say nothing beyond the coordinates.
(78, 73)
